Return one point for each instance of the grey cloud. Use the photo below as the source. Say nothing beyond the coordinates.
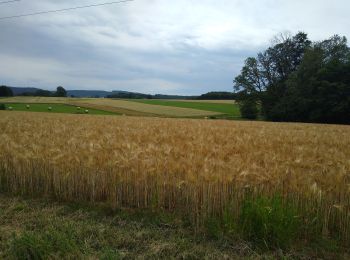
(156, 46)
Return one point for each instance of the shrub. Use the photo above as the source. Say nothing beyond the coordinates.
(249, 109)
(2, 107)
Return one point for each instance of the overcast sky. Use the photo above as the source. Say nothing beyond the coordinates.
(152, 46)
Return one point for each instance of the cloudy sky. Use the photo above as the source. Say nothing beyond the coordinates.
(151, 46)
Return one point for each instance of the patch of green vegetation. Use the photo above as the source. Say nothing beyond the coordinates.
(269, 222)
(55, 108)
(45, 229)
(226, 109)
(40, 245)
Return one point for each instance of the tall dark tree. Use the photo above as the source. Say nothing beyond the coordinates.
(61, 92)
(5, 91)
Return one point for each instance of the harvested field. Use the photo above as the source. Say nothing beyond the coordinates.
(112, 109)
(151, 109)
(42, 100)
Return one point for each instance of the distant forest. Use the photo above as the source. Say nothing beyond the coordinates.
(36, 92)
(297, 80)
(6, 91)
(207, 96)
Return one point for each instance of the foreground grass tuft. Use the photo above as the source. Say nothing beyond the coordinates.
(269, 222)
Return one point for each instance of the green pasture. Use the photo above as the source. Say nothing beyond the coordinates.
(55, 108)
(231, 110)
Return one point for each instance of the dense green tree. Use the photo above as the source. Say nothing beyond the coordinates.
(61, 92)
(5, 91)
(264, 77)
(296, 80)
(248, 108)
(319, 91)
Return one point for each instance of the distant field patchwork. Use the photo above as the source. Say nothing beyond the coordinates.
(162, 108)
(153, 109)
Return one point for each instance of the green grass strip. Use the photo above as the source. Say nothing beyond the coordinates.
(227, 109)
(56, 108)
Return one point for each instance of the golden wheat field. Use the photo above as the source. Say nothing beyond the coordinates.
(198, 168)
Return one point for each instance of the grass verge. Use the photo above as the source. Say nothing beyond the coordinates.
(42, 228)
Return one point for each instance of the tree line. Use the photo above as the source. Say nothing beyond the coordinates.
(297, 80)
(6, 91)
(61, 92)
(221, 95)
